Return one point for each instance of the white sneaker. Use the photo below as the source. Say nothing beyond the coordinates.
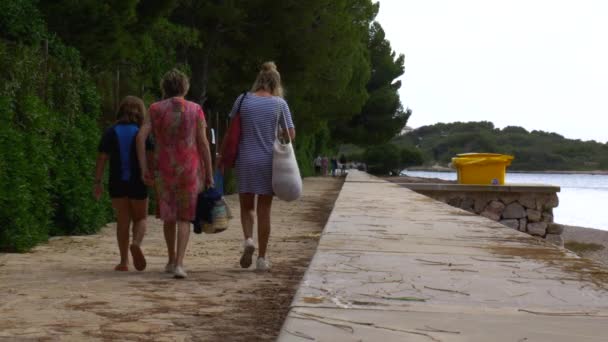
(179, 273)
(262, 265)
(248, 249)
(170, 268)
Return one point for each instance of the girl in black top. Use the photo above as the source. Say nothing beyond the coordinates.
(128, 192)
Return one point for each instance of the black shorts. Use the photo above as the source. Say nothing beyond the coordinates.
(133, 190)
(318, 169)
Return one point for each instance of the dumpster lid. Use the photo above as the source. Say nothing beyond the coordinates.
(482, 159)
(479, 155)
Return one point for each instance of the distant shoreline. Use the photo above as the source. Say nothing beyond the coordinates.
(446, 169)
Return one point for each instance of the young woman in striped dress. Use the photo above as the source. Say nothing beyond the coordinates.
(261, 110)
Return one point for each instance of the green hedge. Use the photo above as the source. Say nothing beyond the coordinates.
(388, 159)
(48, 138)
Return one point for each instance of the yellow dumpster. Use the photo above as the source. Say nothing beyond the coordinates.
(481, 168)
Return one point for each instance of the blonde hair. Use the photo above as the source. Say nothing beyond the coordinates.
(174, 83)
(269, 80)
(131, 110)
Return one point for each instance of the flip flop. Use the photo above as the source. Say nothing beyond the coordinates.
(139, 261)
(121, 268)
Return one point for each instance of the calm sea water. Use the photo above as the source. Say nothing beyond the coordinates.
(583, 198)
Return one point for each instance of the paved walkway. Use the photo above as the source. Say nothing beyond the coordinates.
(66, 290)
(393, 265)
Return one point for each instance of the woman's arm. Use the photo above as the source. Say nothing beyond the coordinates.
(287, 126)
(292, 133)
(204, 151)
(140, 142)
(100, 166)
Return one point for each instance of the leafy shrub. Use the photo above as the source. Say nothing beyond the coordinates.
(383, 159)
(20, 20)
(410, 157)
(76, 212)
(389, 159)
(48, 137)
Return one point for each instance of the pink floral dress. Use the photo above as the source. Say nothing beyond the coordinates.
(179, 171)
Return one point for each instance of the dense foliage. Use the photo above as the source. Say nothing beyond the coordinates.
(535, 150)
(66, 64)
(336, 64)
(382, 116)
(48, 133)
(389, 159)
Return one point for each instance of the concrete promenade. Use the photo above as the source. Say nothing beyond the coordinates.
(393, 265)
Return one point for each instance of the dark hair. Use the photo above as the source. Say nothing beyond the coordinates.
(131, 110)
(174, 83)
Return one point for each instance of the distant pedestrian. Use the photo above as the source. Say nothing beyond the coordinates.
(324, 165)
(317, 164)
(127, 190)
(183, 163)
(334, 166)
(343, 164)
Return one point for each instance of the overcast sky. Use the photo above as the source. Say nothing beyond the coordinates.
(540, 64)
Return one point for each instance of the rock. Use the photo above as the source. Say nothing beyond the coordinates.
(467, 204)
(455, 202)
(555, 239)
(508, 198)
(481, 202)
(492, 216)
(514, 211)
(548, 216)
(496, 207)
(533, 215)
(523, 223)
(528, 201)
(537, 228)
(551, 201)
(494, 210)
(554, 228)
(511, 223)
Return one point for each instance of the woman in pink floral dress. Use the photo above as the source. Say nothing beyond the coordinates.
(183, 162)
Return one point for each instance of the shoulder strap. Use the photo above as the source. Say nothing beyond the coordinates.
(280, 111)
(238, 110)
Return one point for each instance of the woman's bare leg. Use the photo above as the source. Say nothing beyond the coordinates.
(183, 235)
(263, 211)
(169, 231)
(247, 202)
(123, 221)
(139, 213)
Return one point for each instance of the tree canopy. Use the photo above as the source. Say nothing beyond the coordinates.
(338, 68)
(535, 150)
(382, 116)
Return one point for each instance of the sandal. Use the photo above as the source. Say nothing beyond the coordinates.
(121, 268)
(139, 261)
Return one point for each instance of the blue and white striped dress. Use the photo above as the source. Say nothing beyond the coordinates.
(258, 125)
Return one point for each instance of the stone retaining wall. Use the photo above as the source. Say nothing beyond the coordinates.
(525, 208)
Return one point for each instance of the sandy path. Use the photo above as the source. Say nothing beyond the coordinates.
(589, 235)
(66, 290)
